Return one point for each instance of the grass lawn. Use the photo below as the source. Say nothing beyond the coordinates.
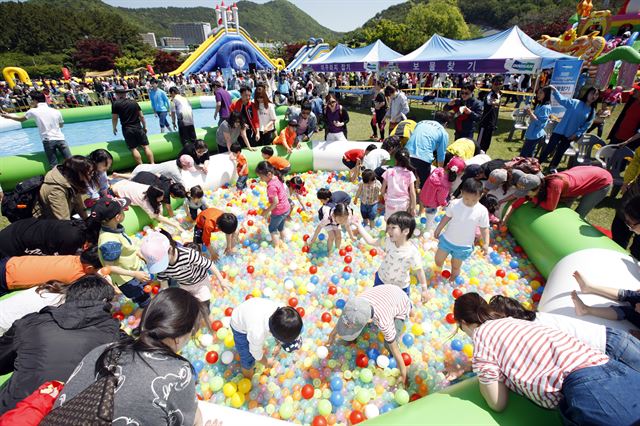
(359, 129)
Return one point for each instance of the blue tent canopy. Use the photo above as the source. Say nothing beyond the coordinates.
(344, 59)
(509, 51)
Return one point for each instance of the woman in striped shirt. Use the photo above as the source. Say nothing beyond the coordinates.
(548, 366)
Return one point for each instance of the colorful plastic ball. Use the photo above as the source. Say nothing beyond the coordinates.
(514, 264)
(348, 259)
(286, 411)
(342, 252)
(229, 389)
(336, 399)
(373, 353)
(373, 252)
(362, 361)
(335, 279)
(228, 341)
(445, 274)
(313, 269)
(385, 408)
(401, 397)
(336, 383)
(450, 318)
(326, 317)
(226, 357)
(228, 312)
(216, 383)
(321, 237)
(366, 375)
(456, 293)
(324, 407)
(198, 365)
(406, 358)
(244, 385)
(456, 345)
(332, 290)
(212, 357)
(340, 303)
(322, 352)
(459, 280)
(293, 302)
(467, 349)
(250, 269)
(319, 421)
(382, 361)
(237, 400)
(392, 362)
(147, 288)
(371, 411)
(347, 269)
(356, 417)
(408, 340)
(417, 330)
(307, 391)
(500, 273)
(300, 311)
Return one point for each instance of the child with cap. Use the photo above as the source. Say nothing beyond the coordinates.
(188, 267)
(462, 217)
(242, 167)
(401, 257)
(251, 324)
(436, 189)
(368, 194)
(281, 164)
(117, 251)
(21, 272)
(213, 220)
(387, 306)
(287, 136)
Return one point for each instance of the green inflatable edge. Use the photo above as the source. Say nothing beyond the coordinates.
(462, 404)
(547, 237)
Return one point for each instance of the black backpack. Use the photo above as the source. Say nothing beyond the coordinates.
(18, 204)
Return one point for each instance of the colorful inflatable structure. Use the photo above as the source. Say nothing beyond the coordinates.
(11, 73)
(229, 46)
(315, 48)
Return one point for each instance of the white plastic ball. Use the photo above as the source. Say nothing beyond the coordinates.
(371, 411)
(382, 361)
(322, 352)
(227, 357)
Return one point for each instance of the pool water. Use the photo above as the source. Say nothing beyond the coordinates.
(28, 140)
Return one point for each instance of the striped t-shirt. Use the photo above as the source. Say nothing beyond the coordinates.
(190, 267)
(531, 359)
(389, 302)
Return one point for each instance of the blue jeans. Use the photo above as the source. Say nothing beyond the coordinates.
(50, 148)
(134, 290)
(529, 147)
(241, 183)
(602, 395)
(558, 143)
(162, 116)
(623, 347)
(242, 346)
(276, 223)
(628, 312)
(369, 211)
(377, 281)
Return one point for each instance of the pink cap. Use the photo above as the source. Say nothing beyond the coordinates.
(187, 163)
(155, 250)
(458, 163)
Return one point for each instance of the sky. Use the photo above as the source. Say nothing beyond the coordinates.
(338, 15)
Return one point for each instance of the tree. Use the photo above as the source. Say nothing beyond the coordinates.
(95, 54)
(442, 17)
(393, 34)
(126, 64)
(166, 62)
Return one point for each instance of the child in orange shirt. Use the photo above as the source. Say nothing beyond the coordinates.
(281, 164)
(287, 136)
(21, 272)
(241, 165)
(213, 220)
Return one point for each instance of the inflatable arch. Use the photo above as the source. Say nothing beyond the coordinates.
(10, 74)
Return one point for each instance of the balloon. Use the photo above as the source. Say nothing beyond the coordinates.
(371, 411)
(229, 389)
(322, 352)
(401, 396)
(286, 410)
(356, 417)
(324, 407)
(244, 385)
(227, 357)
(307, 391)
(319, 421)
(335, 384)
(366, 375)
(382, 361)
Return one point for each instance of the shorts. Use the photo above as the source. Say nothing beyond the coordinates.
(135, 137)
(276, 223)
(350, 164)
(201, 290)
(247, 360)
(134, 290)
(377, 281)
(628, 311)
(369, 211)
(456, 252)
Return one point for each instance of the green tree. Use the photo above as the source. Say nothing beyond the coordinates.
(393, 34)
(441, 17)
(126, 64)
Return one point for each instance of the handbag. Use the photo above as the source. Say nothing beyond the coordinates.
(91, 407)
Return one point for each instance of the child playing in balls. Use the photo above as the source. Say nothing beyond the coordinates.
(368, 194)
(462, 217)
(279, 207)
(253, 321)
(435, 192)
(213, 220)
(194, 202)
(242, 167)
(398, 186)
(287, 136)
(296, 187)
(353, 158)
(332, 220)
(401, 256)
(281, 164)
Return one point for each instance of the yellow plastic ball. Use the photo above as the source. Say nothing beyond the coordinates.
(244, 385)
(228, 341)
(229, 389)
(467, 349)
(474, 281)
(535, 284)
(237, 400)
(416, 329)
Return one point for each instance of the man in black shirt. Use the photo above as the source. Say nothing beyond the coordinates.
(134, 126)
(44, 237)
(489, 120)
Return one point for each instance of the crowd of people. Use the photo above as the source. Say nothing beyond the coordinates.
(71, 254)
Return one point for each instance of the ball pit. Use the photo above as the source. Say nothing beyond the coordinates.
(322, 383)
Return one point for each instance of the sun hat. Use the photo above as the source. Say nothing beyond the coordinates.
(106, 208)
(527, 183)
(187, 163)
(155, 249)
(496, 178)
(355, 316)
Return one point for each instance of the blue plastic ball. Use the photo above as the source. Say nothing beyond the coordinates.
(373, 353)
(337, 399)
(255, 246)
(378, 222)
(335, 384)
(198, 365)
(456, 345)
(459, 280)
(423, 220)
(438, 219)
(321, 237)
(392, 362)
(340, 303)
(385, 408)
(346, 275)
(314, 279)
(335, 279)
(514, 264)
(407, 339)
(246, 243)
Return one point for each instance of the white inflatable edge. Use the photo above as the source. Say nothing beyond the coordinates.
(7, 125)
(603, 267)
(231, 416)
(328, 155)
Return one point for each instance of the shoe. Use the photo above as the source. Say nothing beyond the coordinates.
(373, 137)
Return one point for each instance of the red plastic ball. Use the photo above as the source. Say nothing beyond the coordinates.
(332, 290)
(307, 391)
(356, 417)
(228, 312)
(362, 361)
(305, 237)
(445, 273)
(456, 293)
(415, 397)
(313, 269)
(406, 358)
(500, 273)
(536, 297)
(212, 357)
(319, 421)
(293, 302)
(373, 252)
(147, 288)
(450, 318)
(248, 296)
(249, 223)
(216, 325)
(347, 269)
(326, 317)
(349, 249)
(155, 289)
(305, 249)
(348, 259)
(342, 252)
(517, 249)
(300, 310)
(119, 316)
(299, 210)
(251, 269)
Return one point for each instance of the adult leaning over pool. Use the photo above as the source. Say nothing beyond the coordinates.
(428, 137)
(561, 372)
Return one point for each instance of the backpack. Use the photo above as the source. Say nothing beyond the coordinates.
(18, 204)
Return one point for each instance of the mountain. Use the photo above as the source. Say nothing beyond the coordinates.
(277, 20)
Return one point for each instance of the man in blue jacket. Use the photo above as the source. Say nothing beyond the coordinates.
(160, 105)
